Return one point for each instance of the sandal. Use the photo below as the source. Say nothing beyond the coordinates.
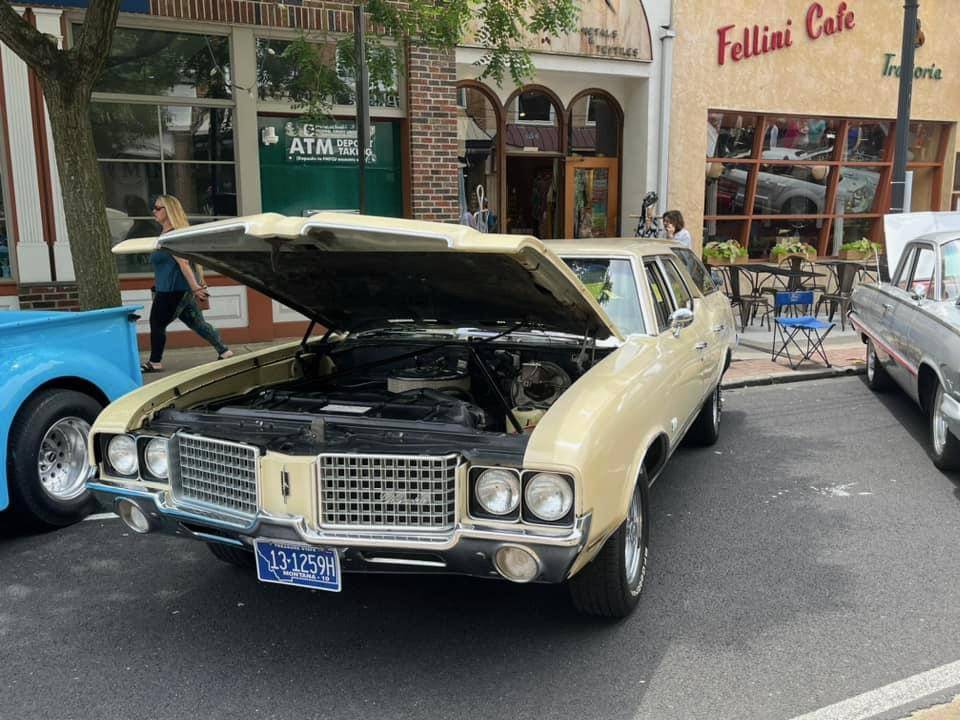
(148, 367)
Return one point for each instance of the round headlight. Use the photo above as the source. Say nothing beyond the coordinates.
(155, 457)
(548, 496)
(498, 491)
(122, 454)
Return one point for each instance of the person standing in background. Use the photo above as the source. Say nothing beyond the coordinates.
(176, 290)
(673, 224)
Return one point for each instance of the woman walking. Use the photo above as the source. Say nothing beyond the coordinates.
(673, 224)
(176, 291)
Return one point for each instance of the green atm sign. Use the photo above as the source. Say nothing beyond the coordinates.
(306, 167)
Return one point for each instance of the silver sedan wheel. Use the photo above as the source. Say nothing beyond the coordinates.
(939, 423)
(632, 550)
(62, 461)
(871, 361)
(717, 406)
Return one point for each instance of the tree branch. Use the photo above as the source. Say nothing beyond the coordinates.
(96, 36)
(25, 40)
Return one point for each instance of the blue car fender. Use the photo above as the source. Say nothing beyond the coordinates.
(27, 372)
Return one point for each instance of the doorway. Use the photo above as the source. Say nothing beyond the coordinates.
(534, 196)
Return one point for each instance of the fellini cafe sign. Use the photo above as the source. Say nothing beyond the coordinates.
(334, 143)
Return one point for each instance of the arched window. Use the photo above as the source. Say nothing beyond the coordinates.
(478, 148)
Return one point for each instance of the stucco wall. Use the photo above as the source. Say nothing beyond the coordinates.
(836, 75)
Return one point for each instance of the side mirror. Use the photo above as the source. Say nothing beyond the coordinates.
(919, 292)
(679, 319)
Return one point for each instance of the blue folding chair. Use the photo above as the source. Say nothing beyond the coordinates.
(803, 335)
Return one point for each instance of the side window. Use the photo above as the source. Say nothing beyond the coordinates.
(661, 298)
(696, 269)
(950, 269)
(902, 280)
(923, 278)
(680, 292)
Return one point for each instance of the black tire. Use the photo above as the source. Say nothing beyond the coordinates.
(603, 587)
(878, 379)
(29, 500)
(705, 430)
(944, 444)
(231, 554)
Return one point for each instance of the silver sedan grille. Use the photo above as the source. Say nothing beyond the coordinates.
(388, 491)
(215, 472)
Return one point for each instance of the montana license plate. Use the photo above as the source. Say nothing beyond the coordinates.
(299, 565)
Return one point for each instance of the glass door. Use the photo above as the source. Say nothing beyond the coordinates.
(591, 197)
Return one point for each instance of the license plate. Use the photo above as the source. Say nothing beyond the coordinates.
(299, 565)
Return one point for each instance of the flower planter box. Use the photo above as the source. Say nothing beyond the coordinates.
(855, 255)
(716, 260)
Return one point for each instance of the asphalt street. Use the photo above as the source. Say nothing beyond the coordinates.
(809, 557)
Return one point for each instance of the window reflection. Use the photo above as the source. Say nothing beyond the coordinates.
(764, 234)
(791, 190)
(612, 283)
(799, 138)
(477, 150)
(533, 123)
(594, 127)
(730, 134)
(866, 140)
(951, 270)
(923, 143)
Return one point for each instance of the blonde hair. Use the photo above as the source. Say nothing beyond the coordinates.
(175, 213)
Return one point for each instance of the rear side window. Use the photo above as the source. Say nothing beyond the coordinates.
(680, 292)
(701, 277)
(661, 297)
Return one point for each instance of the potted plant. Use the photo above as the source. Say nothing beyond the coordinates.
(724, 251)
(794, 246)
(861, 249)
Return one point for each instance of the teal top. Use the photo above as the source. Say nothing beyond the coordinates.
(168, 277)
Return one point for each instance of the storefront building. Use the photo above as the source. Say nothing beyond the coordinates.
(190, 104)
(784, 118)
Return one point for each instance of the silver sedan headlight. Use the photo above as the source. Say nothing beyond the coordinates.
(155, 457)
(548, 496)
(498, 491)
(122, 454)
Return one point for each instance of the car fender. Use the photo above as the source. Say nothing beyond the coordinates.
(602, 428)
(21, 376)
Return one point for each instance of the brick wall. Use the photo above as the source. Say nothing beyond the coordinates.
(49, 296)
(432, 113)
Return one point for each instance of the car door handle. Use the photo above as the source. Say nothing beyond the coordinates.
(719, 328)
(701, 345)
(887, 307)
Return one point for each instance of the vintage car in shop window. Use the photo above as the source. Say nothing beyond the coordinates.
(479, 404)
(911, 327)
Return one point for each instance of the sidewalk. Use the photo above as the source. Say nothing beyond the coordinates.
(751, 359)
(752, 364)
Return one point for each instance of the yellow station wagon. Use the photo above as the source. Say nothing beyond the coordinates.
(479, 404)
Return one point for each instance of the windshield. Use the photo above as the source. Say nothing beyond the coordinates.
(612, 283)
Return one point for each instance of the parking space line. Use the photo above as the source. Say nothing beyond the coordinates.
(890, 697)
(100, 516)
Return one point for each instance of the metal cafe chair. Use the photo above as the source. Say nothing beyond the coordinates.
(845, 277)
(798, 338)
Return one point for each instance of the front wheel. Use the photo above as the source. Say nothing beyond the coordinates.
(610, 585)
(47, 463)
(946, 446)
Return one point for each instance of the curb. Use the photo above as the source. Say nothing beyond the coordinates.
(782, 378)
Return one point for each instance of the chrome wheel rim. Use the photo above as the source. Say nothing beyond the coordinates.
(939, 423)
(871, 362)
(62, 460)
(634, 530)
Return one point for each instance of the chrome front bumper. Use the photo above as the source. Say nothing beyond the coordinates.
(466, 549)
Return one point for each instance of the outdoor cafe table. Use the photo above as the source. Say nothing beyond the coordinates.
(753, 271)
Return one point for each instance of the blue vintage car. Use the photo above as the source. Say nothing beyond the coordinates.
(57, 371)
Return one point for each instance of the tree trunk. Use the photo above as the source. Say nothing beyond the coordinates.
(83, 201)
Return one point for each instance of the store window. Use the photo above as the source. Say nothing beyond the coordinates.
(162, 123)
(594, 127)
(276, 70)
(477, 138)
(821, 180)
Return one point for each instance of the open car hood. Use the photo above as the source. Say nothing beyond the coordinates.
(355, 272)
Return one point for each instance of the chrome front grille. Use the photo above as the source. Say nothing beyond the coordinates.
(388, 491)
(216, 472)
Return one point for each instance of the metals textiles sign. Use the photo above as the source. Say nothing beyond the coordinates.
(129, 6)
(759, 39)
(612, 29)
(330, 144)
